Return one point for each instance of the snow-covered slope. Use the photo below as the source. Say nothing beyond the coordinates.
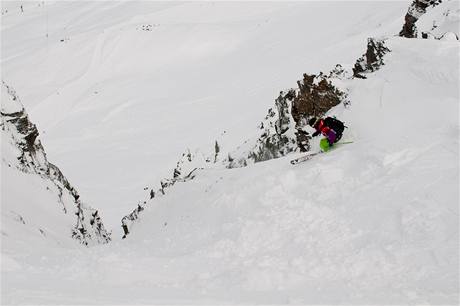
(375, 221)
(134, 84)
(39, 206)
(372, 222)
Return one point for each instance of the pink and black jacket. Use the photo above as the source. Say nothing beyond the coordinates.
(321, 127)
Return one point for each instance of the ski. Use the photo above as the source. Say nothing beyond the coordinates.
(311, 155)
(304, 158)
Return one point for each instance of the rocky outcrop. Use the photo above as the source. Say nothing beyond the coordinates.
(440, 23)
(416, 9)
(22, 136)
(185, 170)
(282, 130)
(372, 59)
(317, 95)
(276, 136)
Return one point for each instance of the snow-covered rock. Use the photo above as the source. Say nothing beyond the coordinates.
(275, 137)
(32, 187)
(449, 36)
(432, 18)
(415, 11)
(282, 130)
(372, 59)
(441, 20)
(186, 169)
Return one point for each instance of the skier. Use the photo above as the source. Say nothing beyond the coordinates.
(330, 127)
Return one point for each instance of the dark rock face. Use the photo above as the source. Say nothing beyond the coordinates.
(372, 59)
(276, 138)
(282, 128)
(303, 140)
(32, 153)
(29, 145)
(416, 9)
(409, 29)
(275, 141)
(32, 159)
(316, 96)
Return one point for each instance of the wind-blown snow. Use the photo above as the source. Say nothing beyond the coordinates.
(372, 222)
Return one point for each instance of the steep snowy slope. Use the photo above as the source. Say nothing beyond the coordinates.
(131, 85)
(373, 222)
(39, 206)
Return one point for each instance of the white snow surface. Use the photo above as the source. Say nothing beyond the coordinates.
(38, 207)
(28, 216)
(9, 105)
(125, 103)
(372, 222)
(441, 19)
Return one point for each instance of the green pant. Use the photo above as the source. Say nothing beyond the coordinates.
(324, 145)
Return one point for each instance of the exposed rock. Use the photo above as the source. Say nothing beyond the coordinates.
(276, 138)
(317, 95)
(372, 59)
(185, 171)
(303, 140)
(416, 9)
(22, 135)
(440, 22)
(281, 131)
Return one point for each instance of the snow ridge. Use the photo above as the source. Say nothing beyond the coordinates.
(23, 151)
